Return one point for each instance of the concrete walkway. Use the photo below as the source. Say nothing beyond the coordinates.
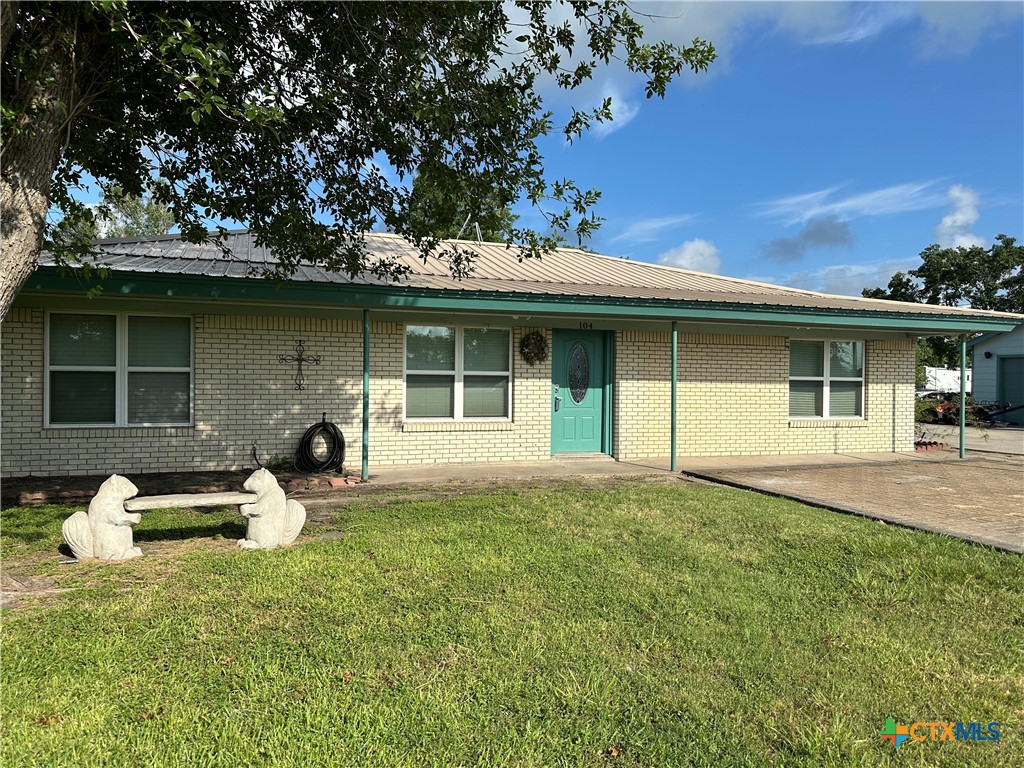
(987, 439)
(475, 472)
(605, 465)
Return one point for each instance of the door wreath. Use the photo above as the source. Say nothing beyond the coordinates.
(534, 348)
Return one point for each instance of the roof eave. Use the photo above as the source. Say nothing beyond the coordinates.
(262, 291)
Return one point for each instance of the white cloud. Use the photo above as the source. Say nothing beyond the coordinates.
(648, 230)
(899, 198)
(954, 230)
(942, 28)
(623, 111)
(865, 21)
(949, 29)
(697, 254)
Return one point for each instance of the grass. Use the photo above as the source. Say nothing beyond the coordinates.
(639, 625)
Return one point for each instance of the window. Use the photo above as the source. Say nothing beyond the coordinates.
(118, 370)
(457, 373)
(826, 379)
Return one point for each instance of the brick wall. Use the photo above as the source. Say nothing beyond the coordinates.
(526, 438)
(244, 396)
(733, 399)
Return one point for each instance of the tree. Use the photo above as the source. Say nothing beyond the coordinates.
(132, 215)
(281, 115)
(440, 204)
(983, 278)
(118, 214)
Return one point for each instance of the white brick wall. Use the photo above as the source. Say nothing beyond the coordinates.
(732, 401)
(243, 395)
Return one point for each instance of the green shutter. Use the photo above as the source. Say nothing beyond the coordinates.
(158, 398)
(82, 397)
(806, 398)
(847, 360)
(429, 397)
(844, 398)
(429, 348)
(83, 340)
(485, 349)
(806, 358)
(159, 342)
(485, 397)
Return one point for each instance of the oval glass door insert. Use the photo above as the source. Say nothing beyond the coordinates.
(579, 372)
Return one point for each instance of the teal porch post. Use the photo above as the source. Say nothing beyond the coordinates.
(675, 375)
(963, 394)
(366, 395)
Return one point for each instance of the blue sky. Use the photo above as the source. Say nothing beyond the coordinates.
(827, 146)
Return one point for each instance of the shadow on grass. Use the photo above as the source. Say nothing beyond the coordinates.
(30, 529)
(32, 524)
(229, 530)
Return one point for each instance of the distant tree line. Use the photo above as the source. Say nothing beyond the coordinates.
(982, 278)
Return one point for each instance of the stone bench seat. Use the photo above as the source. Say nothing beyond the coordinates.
(190, 500)
(105, 531)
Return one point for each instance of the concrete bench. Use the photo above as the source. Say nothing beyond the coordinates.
(105, 531)
(175, 500)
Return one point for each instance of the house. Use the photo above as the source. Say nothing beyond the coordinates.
(998, 367)
(185, 362)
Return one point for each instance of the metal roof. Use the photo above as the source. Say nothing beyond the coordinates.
(495, 268)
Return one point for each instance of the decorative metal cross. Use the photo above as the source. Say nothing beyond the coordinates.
(300, 358)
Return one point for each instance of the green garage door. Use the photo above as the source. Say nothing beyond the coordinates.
(1011, 386)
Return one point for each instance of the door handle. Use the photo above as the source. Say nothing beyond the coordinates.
(558, 404)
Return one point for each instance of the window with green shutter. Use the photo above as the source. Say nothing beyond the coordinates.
(826, 379)
(118, 370)
(454, 373)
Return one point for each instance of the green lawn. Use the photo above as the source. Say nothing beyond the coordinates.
(645, 624)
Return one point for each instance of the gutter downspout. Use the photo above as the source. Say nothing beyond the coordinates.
(365, 474)
(675, 373)
(963, 394)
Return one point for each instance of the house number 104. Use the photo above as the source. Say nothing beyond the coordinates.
(587, 326)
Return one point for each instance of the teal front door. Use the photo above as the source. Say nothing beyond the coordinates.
(577, 391)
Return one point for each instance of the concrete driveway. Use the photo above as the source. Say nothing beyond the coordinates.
(980, 498)
(982, 439)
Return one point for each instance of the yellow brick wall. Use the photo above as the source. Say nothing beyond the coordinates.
(243, 395)
(733, 399)
(526, 438)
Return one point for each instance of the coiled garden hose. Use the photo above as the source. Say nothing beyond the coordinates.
(306, 459)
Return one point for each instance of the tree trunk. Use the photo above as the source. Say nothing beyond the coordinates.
(8, 19)
(31, 151)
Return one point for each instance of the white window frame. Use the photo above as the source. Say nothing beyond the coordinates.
(825, 378)
(459, 374)
(120, 370)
